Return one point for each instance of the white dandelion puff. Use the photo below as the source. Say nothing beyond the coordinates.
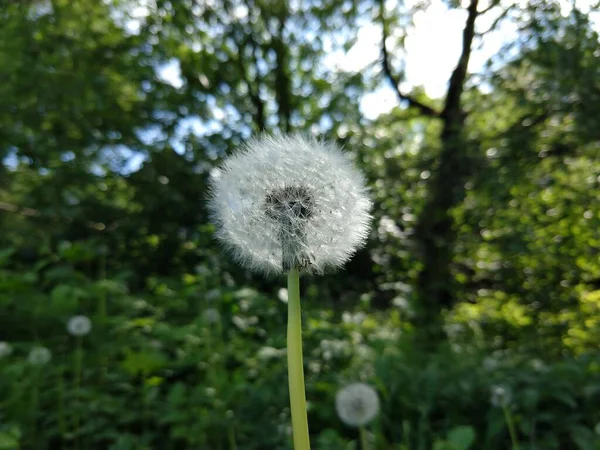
(211, 315)
(5, 349)
(282, 294)
(39, 356)
(501, 396)
(79, 326)
(357, 404)
(290, 201)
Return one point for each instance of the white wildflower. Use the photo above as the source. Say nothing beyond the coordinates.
(333, 348)
(288, 201)
(5, 349)
(490, 364)
(39, 356)
(244, 322)
(500, 395)
(357, 404)
(282, 294)
(213, 294)
(211, 315)
(79, 326)
(266, 353)
(538, 365)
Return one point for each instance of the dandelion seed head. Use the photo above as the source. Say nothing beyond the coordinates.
(500, 395)
(357, 404)
(5, 349)
(79, 326)
(39, 356)
(290, 201)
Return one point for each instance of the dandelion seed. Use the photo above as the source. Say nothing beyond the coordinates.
(5, 349)
(38, 356)
(79, 326)
(288, 201)
(357, 404)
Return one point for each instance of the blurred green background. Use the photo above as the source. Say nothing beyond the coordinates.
(475, 303)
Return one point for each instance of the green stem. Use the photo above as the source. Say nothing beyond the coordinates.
(61, 403)
(144, 410)
(102, 309)
(78, 365)
(511, 427)
(103, 314)
(364, 443)
(231, 437)
(35, 406)
(295, 364)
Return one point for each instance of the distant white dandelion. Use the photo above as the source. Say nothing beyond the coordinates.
(211, 315)
(357, 404)
(5, 349)
(289, 201)
(79, 326)
(282, 295)
(500, 395)
(39, 356)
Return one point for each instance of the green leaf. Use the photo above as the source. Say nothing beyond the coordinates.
(5, 255)
(583, 437)
(9, 438)
(144, 362)
(461, 437)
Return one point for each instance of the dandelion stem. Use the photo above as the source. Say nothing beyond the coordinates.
(35, 400)
(78, 368)
(295, 364)
(511, 427)
(61, 403)
(231, 437)
(364, 443)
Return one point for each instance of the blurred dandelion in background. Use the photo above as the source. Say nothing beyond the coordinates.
(79, 325)
(282, 295)
(39, 356)
(357, 404)
(500, 395)
(5, 349)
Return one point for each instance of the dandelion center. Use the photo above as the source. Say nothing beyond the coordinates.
(291, 207)
(358, 406)
(289, 204)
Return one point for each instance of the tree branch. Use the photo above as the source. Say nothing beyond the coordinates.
(254, 94)
(459, 75)
(497, 20)
(387, 70)
(489, 8)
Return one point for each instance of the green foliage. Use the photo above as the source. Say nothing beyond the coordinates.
(104, 165)
(156, 373)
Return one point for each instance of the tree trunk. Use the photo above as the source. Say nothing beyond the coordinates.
(435, 228)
